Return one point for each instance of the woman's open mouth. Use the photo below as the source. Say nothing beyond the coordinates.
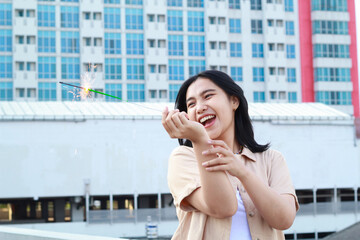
(208, 120)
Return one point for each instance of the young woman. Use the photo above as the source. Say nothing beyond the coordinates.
(224, 184)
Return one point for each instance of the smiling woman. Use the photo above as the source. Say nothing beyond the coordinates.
(225, 185)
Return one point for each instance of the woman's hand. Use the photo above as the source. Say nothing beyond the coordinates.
(178, 125)
(226, 160)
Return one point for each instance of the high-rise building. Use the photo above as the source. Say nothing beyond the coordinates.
(142, 50)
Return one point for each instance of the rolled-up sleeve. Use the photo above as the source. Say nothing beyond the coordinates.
(279, 176)
(183, 176)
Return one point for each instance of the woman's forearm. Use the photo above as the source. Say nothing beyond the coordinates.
(278, 210)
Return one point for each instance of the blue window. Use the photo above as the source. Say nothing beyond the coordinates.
(196, 45)
(256, 26)
(176, 69)
(47, 67)
(134, 43)
(175, 20)
(331, 51)
(237, 73)
(112, 1)
(70, 68)
(112, 18)
(258, 74)
(114, 89)
(134, 18)
(329, 5)
(6, 91)
(333, 97)
(289, 25)
(47, 91)
(292, 97)
(234, 4)
(47, 41)
(176, 45)
(5, 67)
(330, 27)
(69, 17)
(195, 3)
(70, 42)
(113, 68)
(136, 92)
(5, 14)
(289, 5)
(195, 21)
(255, 4)
(46, 16)
(134, 2)
(71, 93)
(112, 43)
(173, 91)
(5, 40)
(174, 3)
(291, 74)
(257, 50)
(290, 51)
(259, 96)
(235, 25)
(135, 69)
(196, 66)
(235, 50)
(332, 74)
(69, 0)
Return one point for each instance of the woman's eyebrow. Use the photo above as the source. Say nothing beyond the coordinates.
(202, 93)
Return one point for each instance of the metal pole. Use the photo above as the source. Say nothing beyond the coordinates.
(111, 208)
(136, 206)
(159, 206)
(314, 200)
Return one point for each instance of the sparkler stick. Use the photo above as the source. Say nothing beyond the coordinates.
(92, 90)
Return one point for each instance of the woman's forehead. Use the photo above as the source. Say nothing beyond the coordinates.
(199, 85)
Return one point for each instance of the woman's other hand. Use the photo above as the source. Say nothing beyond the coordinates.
(178, 125)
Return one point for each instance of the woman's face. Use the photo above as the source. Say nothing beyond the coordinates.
(209, 105)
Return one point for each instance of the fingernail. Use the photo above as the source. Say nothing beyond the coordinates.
(204, 163)
(209, 141)
(204, 152)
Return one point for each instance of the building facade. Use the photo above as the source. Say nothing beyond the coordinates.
(142, 50)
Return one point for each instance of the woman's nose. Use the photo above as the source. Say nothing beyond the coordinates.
(201, 108)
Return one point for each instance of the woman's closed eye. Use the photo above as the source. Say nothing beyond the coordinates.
(207, 96)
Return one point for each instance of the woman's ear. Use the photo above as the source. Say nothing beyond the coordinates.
(234, 102)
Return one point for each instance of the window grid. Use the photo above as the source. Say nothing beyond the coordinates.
(70, 68)
(292, 97)
(47, 91)
(5, 40)
(134, 18)
(196, 45)
(196, 66)
(69, 17)
(255, 5)
(331, 50)
(236, 73)
(112, 1)
(195, 21)
(136, 92)
(257, 50)
(256, 26)
(113, 68)
(6, 91)
(258, 74)
(47, 41)
(134, 43)
(290, 51)
(176, 45)
(112, 18)
(235, 50)
(174, 3)
(134, 2)
(289, 5)
(114, 89)
(290, 30)
(175, 20)
(291, 74)
(333, 97)
(135, 69)
(176, 69)
(5, 67)
(259, 97)
(112, 43)
(5, 14)
(70, 42)
(330, 27)
(329, 5)
(173, 91)
(234, 4)
(332, 75)
(71, 94)
(46, 16)
(47, 67)
(195, 3)
(235, 25)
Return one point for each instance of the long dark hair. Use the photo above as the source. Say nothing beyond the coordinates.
(243, 128)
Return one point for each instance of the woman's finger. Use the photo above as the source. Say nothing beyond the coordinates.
(217, 168)
(219, 143)
(176, 120)
(216, 161)
(216, 150)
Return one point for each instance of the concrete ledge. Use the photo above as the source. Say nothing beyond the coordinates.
(12, 233)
